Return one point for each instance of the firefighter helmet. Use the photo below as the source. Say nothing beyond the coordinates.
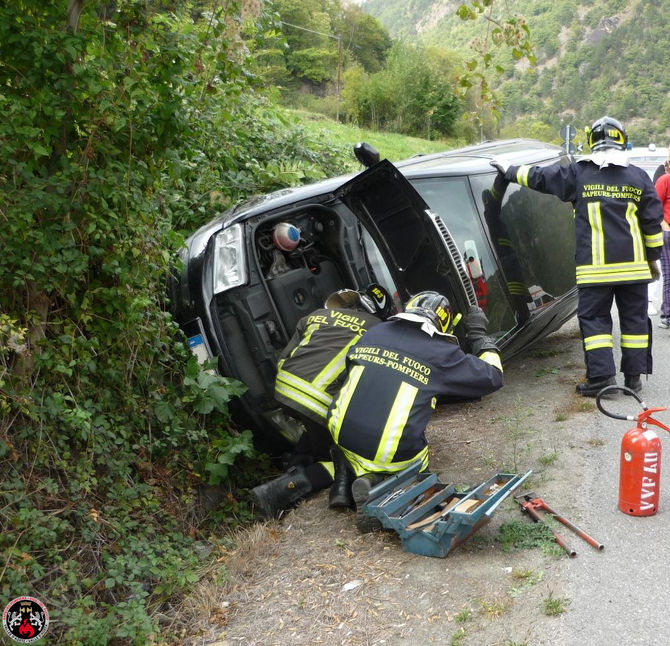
(350, 299)
(434, 307)
(607, 132)
(380, 299)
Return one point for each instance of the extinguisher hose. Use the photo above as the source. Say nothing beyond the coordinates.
(611, 389)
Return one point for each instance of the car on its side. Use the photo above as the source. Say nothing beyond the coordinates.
(446, 222)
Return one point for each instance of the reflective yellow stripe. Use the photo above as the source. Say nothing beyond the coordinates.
(634, 340)
(598, 341)
(492, 358)
(395, 423)
(334, 367)
(655, 240)
(505, 242)
(361, 465)
(613, 272)
(597, 237)
(293, 381)
(495, 194)
(329, 467)
(522, 175)
(303, 399)
(636, 234)
(343, 400)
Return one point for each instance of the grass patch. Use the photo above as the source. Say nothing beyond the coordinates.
(520, 535)
(492, 609)
(554, 606)
(549, 459)
(524, 579)
(463, 616)
(391, 146)
(457, 638)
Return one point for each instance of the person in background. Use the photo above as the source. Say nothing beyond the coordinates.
(394, 375)
(310, 371)
(618, 239)
(663, 191)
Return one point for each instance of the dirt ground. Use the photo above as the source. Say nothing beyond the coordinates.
(311, 578)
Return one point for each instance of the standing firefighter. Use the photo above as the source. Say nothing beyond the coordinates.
(618, 239)
(394, 375)
(309, 372)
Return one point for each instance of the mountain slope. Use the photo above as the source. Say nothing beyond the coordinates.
(593, 58)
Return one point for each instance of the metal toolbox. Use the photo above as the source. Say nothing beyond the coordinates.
(433, 518)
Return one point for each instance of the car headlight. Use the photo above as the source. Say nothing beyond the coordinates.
(230, 263)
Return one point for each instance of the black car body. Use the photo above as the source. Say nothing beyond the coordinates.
(441, 221)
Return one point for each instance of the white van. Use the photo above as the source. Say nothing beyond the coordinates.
(649, 158)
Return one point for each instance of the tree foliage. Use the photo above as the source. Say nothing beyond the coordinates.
(123, 126)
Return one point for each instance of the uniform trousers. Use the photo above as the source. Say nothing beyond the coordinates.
(595, 322)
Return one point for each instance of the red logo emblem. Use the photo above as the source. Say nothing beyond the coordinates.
(25, 619)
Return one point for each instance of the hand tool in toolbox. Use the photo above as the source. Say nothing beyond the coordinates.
(432, 518)
(534, 506)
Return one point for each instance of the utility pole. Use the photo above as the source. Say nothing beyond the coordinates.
(338, 38)
(339, 70)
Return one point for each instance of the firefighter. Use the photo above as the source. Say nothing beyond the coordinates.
(310, 371)
(395, 373)
(618, 239)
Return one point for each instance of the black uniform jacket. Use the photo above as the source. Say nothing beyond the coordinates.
(311, 368)
(394, 374)
(617, 217)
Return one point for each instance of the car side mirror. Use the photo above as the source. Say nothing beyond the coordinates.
(366, 154)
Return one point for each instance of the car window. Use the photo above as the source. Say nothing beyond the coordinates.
(452, 199)
(533, 235)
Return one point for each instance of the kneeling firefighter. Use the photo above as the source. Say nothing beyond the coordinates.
(310, 372)
(394, 376)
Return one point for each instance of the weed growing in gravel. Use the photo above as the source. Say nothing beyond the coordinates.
(520, 535)
(518, 429)
(524, 579)
(553, 606)
(546, 460)
(464, 615)
(492, 609)
(457, 638)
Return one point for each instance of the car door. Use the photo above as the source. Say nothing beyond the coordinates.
(414, 240)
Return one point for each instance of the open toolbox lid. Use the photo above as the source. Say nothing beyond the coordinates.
(433, 518)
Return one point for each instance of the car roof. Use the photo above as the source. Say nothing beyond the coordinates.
(461, 161)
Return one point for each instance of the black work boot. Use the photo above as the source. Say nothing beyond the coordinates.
(633, 382)
(591, 387)
(340, 491)
(361, 492)
(281, 493)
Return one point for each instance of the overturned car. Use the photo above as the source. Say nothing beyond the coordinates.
(445, 222)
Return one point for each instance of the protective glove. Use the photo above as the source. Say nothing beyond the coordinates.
(501, 164)
(483, 344)
(475, 323)
(653, 268)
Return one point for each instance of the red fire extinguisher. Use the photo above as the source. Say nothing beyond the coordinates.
(640, 459)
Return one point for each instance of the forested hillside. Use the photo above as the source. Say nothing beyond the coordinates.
(593, 57)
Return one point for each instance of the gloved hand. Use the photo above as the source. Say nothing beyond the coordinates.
(501, 164)
(475, 323)
(655, 273)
